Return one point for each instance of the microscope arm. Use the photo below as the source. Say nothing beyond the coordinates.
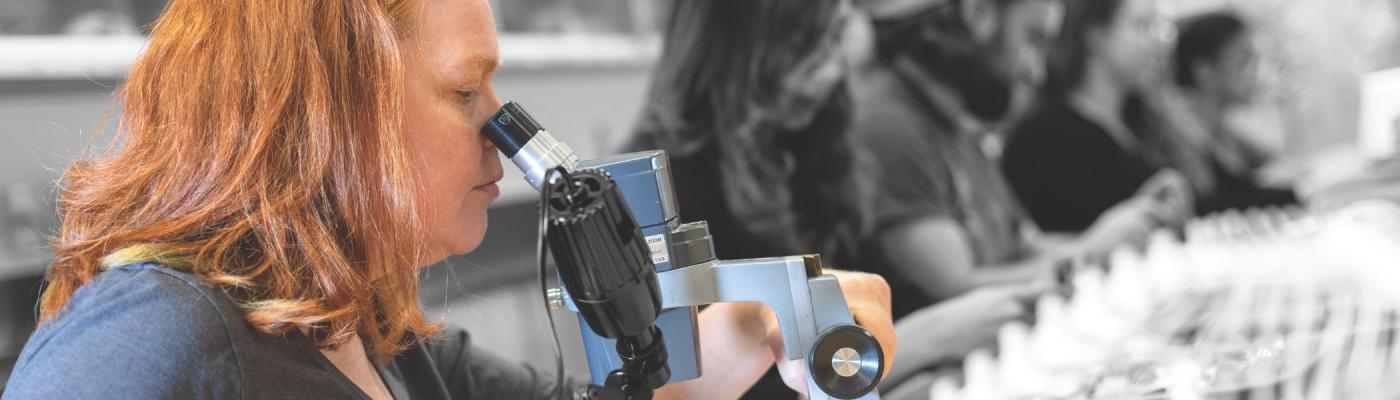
(804, 301)
(807, 304)
(780, 283)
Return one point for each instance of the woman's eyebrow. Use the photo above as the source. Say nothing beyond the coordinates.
(478, 63)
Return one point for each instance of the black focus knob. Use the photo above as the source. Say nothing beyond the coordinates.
(603, 258)
(605, 264)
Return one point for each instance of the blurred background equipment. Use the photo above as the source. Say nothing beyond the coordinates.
(1265, 304)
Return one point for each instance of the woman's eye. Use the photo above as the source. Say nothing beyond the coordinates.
(467, 95)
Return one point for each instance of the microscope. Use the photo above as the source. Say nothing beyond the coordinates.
(637, 276)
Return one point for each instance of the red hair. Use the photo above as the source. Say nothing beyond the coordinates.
(260, 142)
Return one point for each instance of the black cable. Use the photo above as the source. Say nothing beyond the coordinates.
(543, 252)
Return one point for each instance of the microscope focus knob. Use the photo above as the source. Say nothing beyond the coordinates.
(846, 361)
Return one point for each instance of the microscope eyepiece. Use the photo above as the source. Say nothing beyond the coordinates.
(527, 144)
(511, 128)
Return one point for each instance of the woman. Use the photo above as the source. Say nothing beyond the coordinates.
(1092, 144)
(282, 171)
(1214, 68)
(749, 102)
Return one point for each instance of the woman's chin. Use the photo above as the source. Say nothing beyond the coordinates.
(466, 248)
(431, 257)
(445, 249)
(469, 241)
(455, 242)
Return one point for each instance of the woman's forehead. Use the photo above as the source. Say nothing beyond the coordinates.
(458, 35)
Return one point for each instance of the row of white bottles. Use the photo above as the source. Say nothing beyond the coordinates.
(1273, 304)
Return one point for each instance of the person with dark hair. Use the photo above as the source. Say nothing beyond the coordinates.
(1213, 46)
(944, 75)
(1091, 144)
(1214, 68)
(750, 99)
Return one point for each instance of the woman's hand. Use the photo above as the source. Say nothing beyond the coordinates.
(1164, 200)
(868, 297)
(1128, 222)
(1170, 197)
(742, 340)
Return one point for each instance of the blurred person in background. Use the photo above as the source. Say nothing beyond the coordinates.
(1214, 69)
(1092, 144)
(945, 74)
(942, 71)
(750, 99)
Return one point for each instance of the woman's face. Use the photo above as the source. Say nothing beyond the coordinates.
(811, 82)
(1027, 35)
(448, 63)
(1133, 46)
(1233, 76)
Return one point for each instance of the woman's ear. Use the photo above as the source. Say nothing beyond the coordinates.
(981, 16)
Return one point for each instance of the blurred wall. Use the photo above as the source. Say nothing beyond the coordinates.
(46, 123)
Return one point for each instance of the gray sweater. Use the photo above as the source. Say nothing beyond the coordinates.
(150, 332)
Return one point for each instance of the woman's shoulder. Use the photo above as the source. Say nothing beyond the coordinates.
(139, 330)
(149, 297)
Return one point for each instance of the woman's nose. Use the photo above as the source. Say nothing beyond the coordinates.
(493, 103)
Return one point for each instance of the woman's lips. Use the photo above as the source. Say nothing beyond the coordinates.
(490, 189)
